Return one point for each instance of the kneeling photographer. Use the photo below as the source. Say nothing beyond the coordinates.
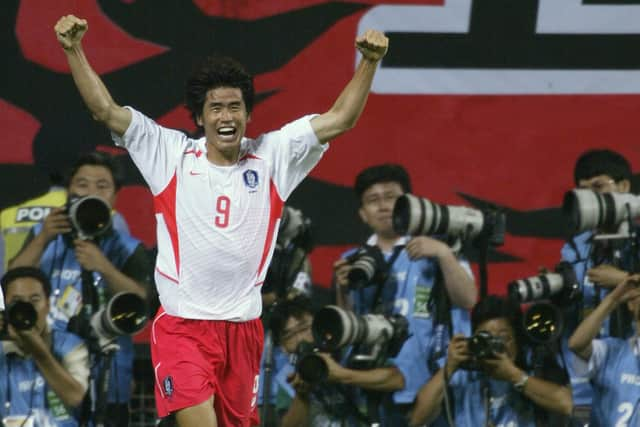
(314, 389)
(485, 380)
(88, 262)
(44, 372)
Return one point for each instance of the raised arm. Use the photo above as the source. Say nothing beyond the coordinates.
(345, 112)
(580, 341)
(69, 31)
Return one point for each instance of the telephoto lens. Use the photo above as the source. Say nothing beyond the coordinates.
(90, 216)
(589, 210)
(21, 315)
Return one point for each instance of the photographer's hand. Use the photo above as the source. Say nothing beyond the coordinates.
(341, 270)
(606, 275)
(91, 258)
(57, 222)
(430, 397)
(301, 387)
(458, 354)
(458, 281)
(426, 247)
(502, 368)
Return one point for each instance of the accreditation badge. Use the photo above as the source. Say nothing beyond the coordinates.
(421, 302)
(18, 421)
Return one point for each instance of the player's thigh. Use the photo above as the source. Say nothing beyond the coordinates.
(200, 415)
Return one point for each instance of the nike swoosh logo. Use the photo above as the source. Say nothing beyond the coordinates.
(194, 173)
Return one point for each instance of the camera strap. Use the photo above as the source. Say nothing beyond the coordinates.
(440, 306)
(377, 297)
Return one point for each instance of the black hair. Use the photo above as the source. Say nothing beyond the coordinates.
(296, 307)
(97, 158)
(214, 72)
(20, 272)
(387, 172)
(495, 307)
(601, 162)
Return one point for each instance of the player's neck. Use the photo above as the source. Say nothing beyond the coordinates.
(222, 158)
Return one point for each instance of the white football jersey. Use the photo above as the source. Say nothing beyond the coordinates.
(217, 225)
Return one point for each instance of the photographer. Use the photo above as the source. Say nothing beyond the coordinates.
(85, 273)
(329, 402)
(594, 262)
(44, 372)
(499, 390)
(423, 276)
(289, 275)
(611, 363)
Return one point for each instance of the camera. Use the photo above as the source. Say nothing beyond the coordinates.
(21, 315)
(482, 345)
(309, 365)
(334, 328)
(562, 285)
(293, 243)
(368, 267)
(417, 216)
(588, 210)
(90, 216)
(124, 314)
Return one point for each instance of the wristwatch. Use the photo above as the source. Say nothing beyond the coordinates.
(519, 386)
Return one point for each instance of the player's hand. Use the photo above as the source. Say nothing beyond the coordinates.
(606, 275)
(69, 31)
(423, 247)
(341, 270)
(57, 222)
(90, 256)
(372, 45)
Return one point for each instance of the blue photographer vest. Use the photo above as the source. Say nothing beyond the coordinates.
(507, 407)
(24, 388)
(59, 263)
(579, 255)
(406, 292)
(616, 385)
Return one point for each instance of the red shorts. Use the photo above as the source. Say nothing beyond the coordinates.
(196, 359)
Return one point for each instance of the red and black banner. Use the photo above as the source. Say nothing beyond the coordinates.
(482, 101)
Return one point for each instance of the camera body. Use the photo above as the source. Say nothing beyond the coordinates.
(289, 258)
(309, 365)
(368, 267)
(482, 345)
(90, 216)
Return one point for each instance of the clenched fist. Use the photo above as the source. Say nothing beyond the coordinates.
(69, 31)
(372, 45)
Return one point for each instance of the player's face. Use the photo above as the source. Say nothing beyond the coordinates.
(296, 331)
(224, 119)
(30, 290)
(93, 180)
(377, 207)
